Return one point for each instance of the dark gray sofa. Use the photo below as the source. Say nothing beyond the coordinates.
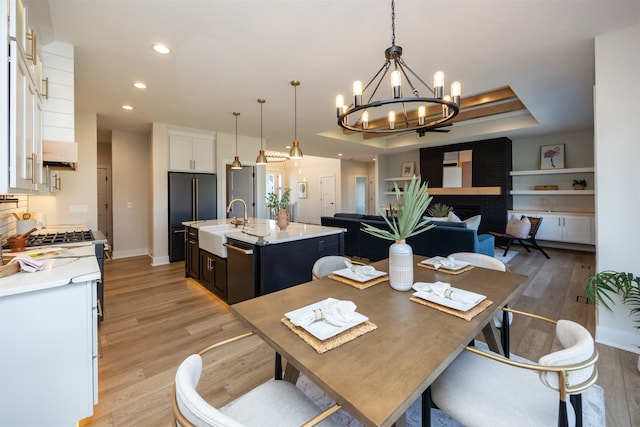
(443, 239)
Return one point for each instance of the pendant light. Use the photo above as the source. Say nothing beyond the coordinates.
(261, 159)
(236, 161)
(296, 152)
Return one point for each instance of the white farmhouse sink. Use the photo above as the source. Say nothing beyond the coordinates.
(213, 238)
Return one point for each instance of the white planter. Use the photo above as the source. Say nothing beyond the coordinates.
(401, 266)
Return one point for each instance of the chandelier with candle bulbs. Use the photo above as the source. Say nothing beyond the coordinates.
(401, 113)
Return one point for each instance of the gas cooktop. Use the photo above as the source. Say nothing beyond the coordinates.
(57, 238)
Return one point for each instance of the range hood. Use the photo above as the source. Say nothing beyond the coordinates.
(60, 155)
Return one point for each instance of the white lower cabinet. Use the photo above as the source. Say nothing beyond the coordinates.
(48, 356)
(568, 228)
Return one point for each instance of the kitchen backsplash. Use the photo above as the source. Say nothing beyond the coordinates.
(7, 209)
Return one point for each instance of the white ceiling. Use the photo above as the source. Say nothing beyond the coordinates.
(228, 53)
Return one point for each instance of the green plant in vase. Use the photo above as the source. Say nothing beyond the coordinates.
(276, 203)
(600, 286)
(439, 210)
(409, 208)
(579, 184)
(279, 206)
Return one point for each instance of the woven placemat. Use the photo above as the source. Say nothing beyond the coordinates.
(446, 270)
(466, 315)
(359, 285)
(333, 342)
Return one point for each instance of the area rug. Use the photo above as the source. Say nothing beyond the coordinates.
(505, 259)
(593, 410)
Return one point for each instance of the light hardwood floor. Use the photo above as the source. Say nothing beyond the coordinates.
(155, 317)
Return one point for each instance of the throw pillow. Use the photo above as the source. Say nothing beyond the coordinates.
(473, 222)
(519, 227)
(453, 217)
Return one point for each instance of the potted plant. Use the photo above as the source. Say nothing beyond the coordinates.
(579, 184)
(599, 288)
(279, 205)
(439, 210)
(410, 207)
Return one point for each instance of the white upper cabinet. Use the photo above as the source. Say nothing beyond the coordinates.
(58, 92)
(191, 152)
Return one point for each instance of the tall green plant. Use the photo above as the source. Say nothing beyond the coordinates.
(410, 207)
(601, 286)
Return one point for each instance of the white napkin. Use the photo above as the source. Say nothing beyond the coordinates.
(27, 263)
(439, 261)
(362, 271)
(443, 290)
(337, 312)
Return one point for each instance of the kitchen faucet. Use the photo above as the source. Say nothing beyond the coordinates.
(236, 221)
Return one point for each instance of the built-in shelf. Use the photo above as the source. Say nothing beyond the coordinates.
(400, 178)
(553, 171)
(552, 193)
(466, 191)
(459, 191)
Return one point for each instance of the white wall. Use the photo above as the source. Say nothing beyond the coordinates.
(310, 169)
(578, 153)
(131, 215)
(80, 187)
(351, 169)
(617, 148)
(159, 197)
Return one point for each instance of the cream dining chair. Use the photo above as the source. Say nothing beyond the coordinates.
(328, 264)
(485, 261)
(276, 403)
(484, 389)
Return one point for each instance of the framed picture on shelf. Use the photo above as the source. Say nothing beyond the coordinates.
(302, 190)
(408, 168)
(552, 156)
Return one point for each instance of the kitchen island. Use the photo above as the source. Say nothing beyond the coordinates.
(49, 339)
(239, 263)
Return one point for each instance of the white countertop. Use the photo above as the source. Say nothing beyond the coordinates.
(268, 229)
(74, 263)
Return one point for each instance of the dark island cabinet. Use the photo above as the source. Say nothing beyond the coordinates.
(288, 264)
(192, 254)
(213, 273)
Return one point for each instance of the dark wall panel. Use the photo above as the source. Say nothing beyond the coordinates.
(491, 164)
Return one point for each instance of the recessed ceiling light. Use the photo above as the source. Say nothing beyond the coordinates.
(287, 147)
(139, 85)
(339, 154)
(127, 107)
(161, 49)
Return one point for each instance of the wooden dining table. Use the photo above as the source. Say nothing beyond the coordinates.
(378, 375)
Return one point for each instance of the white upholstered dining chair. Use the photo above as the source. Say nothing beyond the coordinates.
(328, 264)
(276, 403)
(484, 389)
(485, 261)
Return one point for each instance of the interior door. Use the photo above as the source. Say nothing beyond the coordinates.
(104, 202)
(328, 195)
(241, 186)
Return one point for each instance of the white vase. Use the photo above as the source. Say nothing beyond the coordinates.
(400, 266)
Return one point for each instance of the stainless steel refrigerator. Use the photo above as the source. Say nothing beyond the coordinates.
(192, 197)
